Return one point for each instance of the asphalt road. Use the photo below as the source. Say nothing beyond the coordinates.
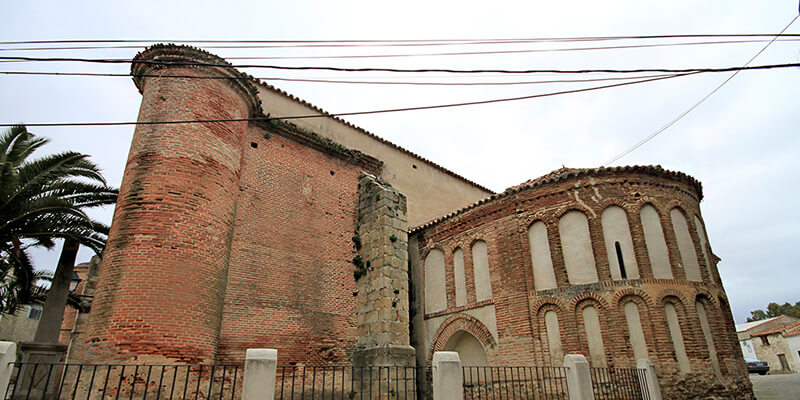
(776, 387)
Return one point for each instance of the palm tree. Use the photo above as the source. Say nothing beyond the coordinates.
(42, 200)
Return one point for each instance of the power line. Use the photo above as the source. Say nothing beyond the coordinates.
(406, 41)
(93, 74)
(464, 53)
(375, 69)
(417, 108)
(690, 109)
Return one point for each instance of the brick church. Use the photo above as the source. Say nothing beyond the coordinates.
(334, 246)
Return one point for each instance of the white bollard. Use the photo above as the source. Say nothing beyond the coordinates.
(448, 379)
(8, 354)
(260, 367)
(650, 377)
(579, 379)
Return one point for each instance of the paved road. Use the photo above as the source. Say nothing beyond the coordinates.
(776, 387)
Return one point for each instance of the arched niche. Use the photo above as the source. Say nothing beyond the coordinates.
(685, 245)
(480, 269)
(544, 276)
(435, 290)
(460, 277)
(469, 349)
(619, 245)
(655, 242)
(576, 245)
(703, 235)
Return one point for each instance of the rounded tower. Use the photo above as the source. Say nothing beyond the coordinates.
(168, 249)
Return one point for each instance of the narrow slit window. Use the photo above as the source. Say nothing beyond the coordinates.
(621, 261)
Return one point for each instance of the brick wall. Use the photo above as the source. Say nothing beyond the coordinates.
(503, 222)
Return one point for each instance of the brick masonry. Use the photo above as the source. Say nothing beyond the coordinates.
(236, 235)
(503, 222)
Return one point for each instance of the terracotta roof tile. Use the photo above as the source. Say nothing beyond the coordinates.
(785, 328)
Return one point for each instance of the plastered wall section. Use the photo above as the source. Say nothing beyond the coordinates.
(431, 191)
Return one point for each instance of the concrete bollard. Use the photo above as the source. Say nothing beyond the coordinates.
(448, 379)
(8, 355)
(579, 379)
(260, 367)
(653, 390)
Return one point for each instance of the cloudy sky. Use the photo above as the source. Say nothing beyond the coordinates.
(742, 143)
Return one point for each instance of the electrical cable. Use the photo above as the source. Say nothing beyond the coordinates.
(92, 74)
(374, 69)
(465, 53)
(408, 41)
(326, 115)
(690, 109)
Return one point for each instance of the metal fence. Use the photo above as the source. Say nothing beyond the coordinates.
(619, 384)
(35, 381)
(515, 383)
(348, 382)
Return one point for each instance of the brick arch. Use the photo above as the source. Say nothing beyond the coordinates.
(704, 295)
(577, 302)
(555, 304)
(632, 292)
(613, 201)
(572, 207)
(461, 322)
(672, 293)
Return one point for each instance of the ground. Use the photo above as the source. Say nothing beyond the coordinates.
(776, 387)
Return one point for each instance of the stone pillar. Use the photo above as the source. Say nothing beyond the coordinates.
(448, 379)
(653, 390)
(260, 368)
(579, 379)
(8, 355)
(162, 282)
(381, 270)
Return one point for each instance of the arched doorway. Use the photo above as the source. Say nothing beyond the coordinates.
(469, 349)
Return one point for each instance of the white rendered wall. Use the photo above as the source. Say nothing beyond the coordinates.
(712, 351)
(544, 276)
(435, 294)
(747, 348)
(594, 336)
(480, 268)
(685, 245)
(553, 338)
(703, 235)
(635, 332)
(793, 343)
(656, 244)
(469, 349)
(573, 228)
(677, 337)
(461, 280)
(616, 229)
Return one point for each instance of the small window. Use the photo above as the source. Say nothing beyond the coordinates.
(621, 261)
(35, 312)
(764, 340)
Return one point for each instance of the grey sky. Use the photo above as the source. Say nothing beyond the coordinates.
(742, 143)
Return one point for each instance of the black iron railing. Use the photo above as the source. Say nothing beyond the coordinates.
(37, 381)
(515, 383)
(348, 382)
(619, 384)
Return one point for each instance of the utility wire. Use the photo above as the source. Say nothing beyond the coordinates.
(464, 53)
(93, 74)
(373, 69)
(690, 109)
(268, 118)
(423, 42)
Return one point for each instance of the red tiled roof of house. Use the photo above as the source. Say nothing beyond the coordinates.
(790, 328)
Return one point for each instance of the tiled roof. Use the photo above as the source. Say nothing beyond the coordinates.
(370, 134)
(565, 173)
(786, 327)
(750, 325)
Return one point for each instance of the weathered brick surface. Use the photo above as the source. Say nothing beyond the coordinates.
(503, 223)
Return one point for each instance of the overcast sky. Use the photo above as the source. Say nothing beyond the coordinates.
(742, 143)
